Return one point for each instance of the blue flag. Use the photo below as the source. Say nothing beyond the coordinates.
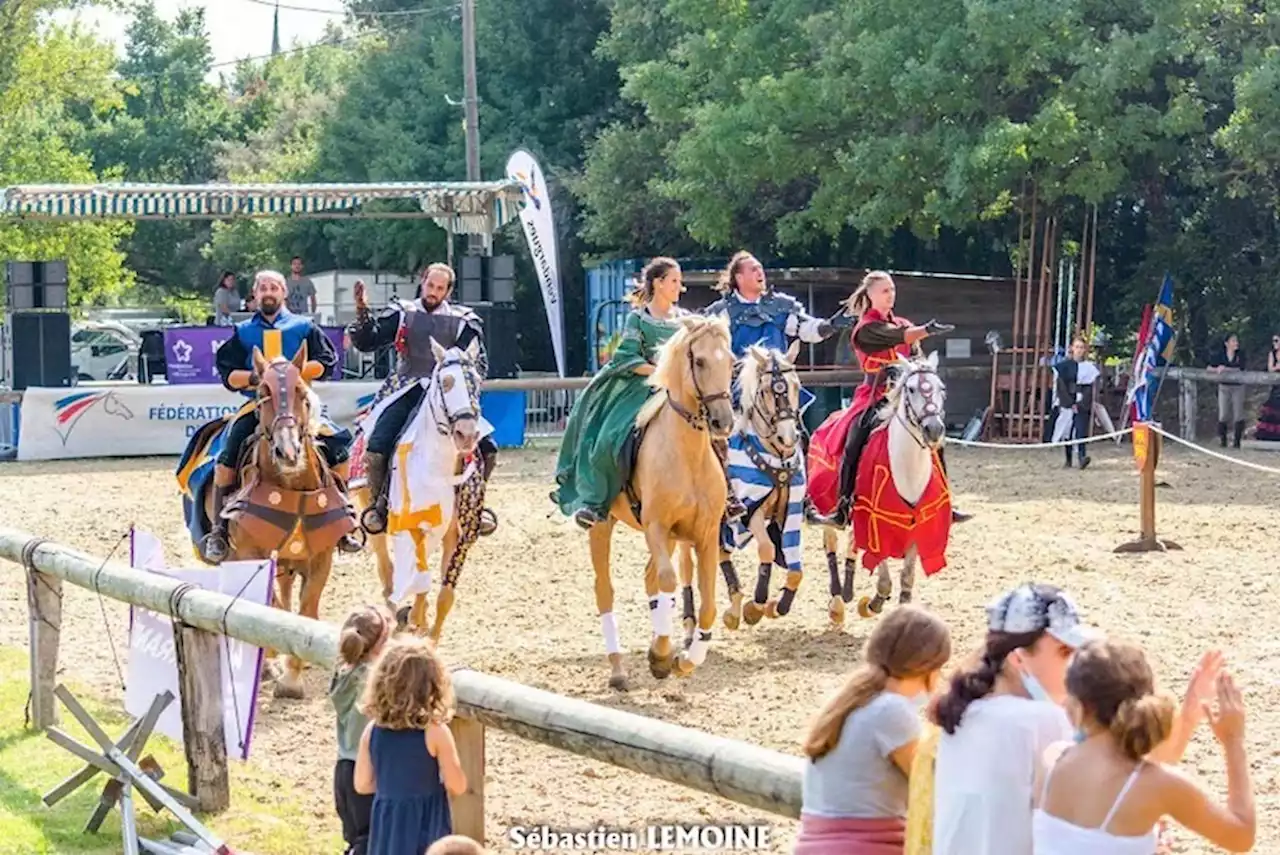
(1153, 354)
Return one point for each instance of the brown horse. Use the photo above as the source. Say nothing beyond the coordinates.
(289, 502)
(676, 492)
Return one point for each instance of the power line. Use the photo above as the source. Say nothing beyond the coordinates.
(330, 43)
(397, 13)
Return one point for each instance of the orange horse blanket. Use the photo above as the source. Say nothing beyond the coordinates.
(884, 525)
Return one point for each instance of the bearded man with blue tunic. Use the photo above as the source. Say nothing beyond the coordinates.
(275, 332)
(761, 317)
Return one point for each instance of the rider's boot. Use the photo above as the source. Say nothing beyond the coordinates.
(215, 546)
(489, 459)
(733, 506)
(342, 474)
(857, 438)
(374, 518)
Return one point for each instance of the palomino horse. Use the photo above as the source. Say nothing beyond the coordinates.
(436, 489)
(675, 493)
(766, 470)
(902, 501)
(288, 502)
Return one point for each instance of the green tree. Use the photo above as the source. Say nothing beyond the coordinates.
(47, 78)
(166, 131)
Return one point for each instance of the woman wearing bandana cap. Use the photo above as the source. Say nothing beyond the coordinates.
(997, 719)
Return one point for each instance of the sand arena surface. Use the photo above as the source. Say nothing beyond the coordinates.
(526, 611)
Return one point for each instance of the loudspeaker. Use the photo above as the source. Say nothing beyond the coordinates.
(487, 279)
(37, 285)
(41, 349)
(501, 337)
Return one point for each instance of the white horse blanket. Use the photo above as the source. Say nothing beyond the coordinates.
(753, 485)
(421, 496)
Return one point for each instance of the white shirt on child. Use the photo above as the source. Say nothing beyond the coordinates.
(986, 772)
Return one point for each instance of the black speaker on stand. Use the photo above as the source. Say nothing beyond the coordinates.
(40, 324)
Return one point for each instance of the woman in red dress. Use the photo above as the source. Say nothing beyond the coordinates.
(878, 339)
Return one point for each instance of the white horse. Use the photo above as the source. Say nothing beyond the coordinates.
(902, 502)
(424, 506)
(767, 472)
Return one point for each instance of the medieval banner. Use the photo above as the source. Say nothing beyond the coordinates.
(539, 230)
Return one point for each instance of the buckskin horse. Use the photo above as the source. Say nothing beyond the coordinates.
(288, 501)
(436, 489)
(675, 492)
(902, 501)
(766, 470)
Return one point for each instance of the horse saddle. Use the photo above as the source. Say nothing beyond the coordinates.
(297, 524)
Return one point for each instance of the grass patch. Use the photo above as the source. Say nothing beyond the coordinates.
(264, 819)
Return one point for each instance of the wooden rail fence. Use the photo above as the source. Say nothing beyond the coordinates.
(738, 771)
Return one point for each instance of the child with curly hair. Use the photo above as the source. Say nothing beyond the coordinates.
(407, 756)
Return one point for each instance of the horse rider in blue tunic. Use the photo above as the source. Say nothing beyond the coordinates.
(274, 331)
(766, 318)
(410, 326)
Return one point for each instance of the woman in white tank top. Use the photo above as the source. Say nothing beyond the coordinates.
(1102, 798)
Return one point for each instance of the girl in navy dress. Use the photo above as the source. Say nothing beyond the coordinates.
(407, 756)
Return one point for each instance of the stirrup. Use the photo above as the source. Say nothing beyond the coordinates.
(488, 522)
(215, 546)
(374, 518)
(348, 544)
(734, 509)
(586, 518)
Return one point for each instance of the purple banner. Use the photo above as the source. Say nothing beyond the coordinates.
(190, 352)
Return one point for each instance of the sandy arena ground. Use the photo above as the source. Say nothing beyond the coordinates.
(526, 612)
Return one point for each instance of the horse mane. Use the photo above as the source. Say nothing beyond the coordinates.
(668, 368)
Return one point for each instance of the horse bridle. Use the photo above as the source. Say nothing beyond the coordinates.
(284, 416)
(914, 422)
(698, 420)
(446, 425)
(782, 409)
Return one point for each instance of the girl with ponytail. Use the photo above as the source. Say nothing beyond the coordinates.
(361, 638)
(861, 744)
(996, 720)
(1106, 794)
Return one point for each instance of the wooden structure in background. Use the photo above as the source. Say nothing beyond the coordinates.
(1052, 302)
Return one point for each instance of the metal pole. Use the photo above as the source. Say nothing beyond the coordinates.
(475, 242)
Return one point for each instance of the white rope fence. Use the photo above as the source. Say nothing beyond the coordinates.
(1115, 435)
(969, 443)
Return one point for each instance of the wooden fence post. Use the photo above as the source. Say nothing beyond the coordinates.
(468, 808)
(1188, 407)
(203, 732)
(44, 620)
(1147, 443)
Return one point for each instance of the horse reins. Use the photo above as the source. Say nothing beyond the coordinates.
(698, 420)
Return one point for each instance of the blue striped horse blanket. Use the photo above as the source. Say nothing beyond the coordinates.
(753, 484)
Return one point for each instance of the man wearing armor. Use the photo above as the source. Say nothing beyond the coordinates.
(275, 331)
(410, 326)
(759, 316)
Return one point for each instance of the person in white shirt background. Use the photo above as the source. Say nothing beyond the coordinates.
(1075, 400)
(997, 719)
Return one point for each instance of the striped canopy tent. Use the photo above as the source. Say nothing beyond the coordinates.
(467, 207)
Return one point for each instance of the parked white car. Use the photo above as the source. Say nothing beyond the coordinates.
(104, 350)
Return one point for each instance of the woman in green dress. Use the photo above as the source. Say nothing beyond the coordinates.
(587, 472)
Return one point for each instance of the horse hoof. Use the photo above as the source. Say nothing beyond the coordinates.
(904, 598)
(402, 617)
(684, 666)
(659, 666)
(835, 611)
(732, 620)
(618, 682)
(751, 613)
(289, 687)
(771, 610)
(864, 607)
